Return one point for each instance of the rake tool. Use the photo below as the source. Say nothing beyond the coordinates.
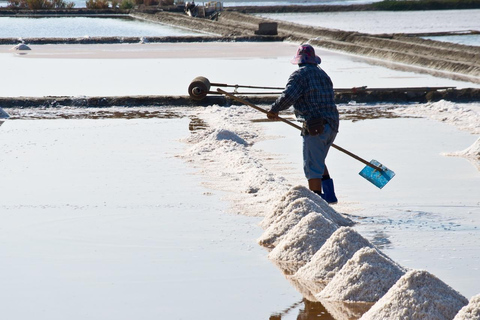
(374, 171)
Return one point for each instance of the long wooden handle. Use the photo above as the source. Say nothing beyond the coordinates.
(242, 86)
(298, 127)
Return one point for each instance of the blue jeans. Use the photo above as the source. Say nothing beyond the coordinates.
(315, 150)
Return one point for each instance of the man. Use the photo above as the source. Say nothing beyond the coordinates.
(310, 91)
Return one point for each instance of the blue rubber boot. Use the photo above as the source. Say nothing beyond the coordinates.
(329, 191)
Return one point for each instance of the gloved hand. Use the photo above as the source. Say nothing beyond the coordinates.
(272, 115)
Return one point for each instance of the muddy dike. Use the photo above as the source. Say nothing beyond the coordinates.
(342, 97)
(145, 39)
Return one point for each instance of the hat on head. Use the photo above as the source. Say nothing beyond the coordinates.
(306, 54)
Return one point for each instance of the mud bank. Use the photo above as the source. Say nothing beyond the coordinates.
(454, 95)
(430, 56)
(146, 39)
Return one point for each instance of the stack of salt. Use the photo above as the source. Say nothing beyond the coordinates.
(302, 192)
(471, 311)
(366, 277)
(327, 261)
(303, 240)
(418, 295)
(285, 221)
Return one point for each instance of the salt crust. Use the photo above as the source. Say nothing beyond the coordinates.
(302, 192)
(303, 240)
(465, 116)
(470, 311)
(418, 295)
(290, 217)
(336, 251)
(366, 277)
(225, 155)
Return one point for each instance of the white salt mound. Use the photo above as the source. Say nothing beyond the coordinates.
(418, 295)
(303, 192)
(366, 277)
(303, 240)
(471, 311)
(336, 251)
(472, 153)
(288, 219)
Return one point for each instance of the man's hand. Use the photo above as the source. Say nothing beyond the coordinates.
(272, 116)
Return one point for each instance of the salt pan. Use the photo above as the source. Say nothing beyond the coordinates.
(471, 311)
(418, 295)
(304, 240)
(302, 192)
(336, 251)
(366, 277)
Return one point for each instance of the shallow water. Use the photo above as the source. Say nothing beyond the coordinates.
(82, 26)
(100, 220)
(387, 21)
(168, 69)
(469, 40)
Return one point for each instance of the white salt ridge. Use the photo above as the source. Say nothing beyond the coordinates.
(418, 295)
(303, 240)
(471, 311)
(224, 154)
(366, 277)
(3, 116)
(303, 192)
(333, 255)
(472, 153)
(465, 116)
(288, 219)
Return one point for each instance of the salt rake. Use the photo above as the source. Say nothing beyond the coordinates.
(374, 171)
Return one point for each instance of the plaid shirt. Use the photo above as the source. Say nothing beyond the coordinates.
(310, 91)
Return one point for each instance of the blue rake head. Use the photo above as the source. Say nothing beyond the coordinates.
(377, 177)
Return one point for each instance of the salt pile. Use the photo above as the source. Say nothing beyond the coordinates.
(418, 295)
(303, 192)
(3, 116)
(333, 255)
(301, 243)
(289, 218)
(472, 153)
(471, 311)
(366, 277)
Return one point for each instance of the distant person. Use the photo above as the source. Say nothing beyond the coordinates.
(310, 91)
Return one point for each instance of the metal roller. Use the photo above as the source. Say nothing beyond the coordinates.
(198, 88)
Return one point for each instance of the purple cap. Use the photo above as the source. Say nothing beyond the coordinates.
(306, 54)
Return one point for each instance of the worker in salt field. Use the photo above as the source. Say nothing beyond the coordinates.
(310, 91)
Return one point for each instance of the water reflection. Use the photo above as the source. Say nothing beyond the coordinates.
(309, 310)
(93, 113)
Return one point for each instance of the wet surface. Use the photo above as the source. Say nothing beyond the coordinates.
(93, 113)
